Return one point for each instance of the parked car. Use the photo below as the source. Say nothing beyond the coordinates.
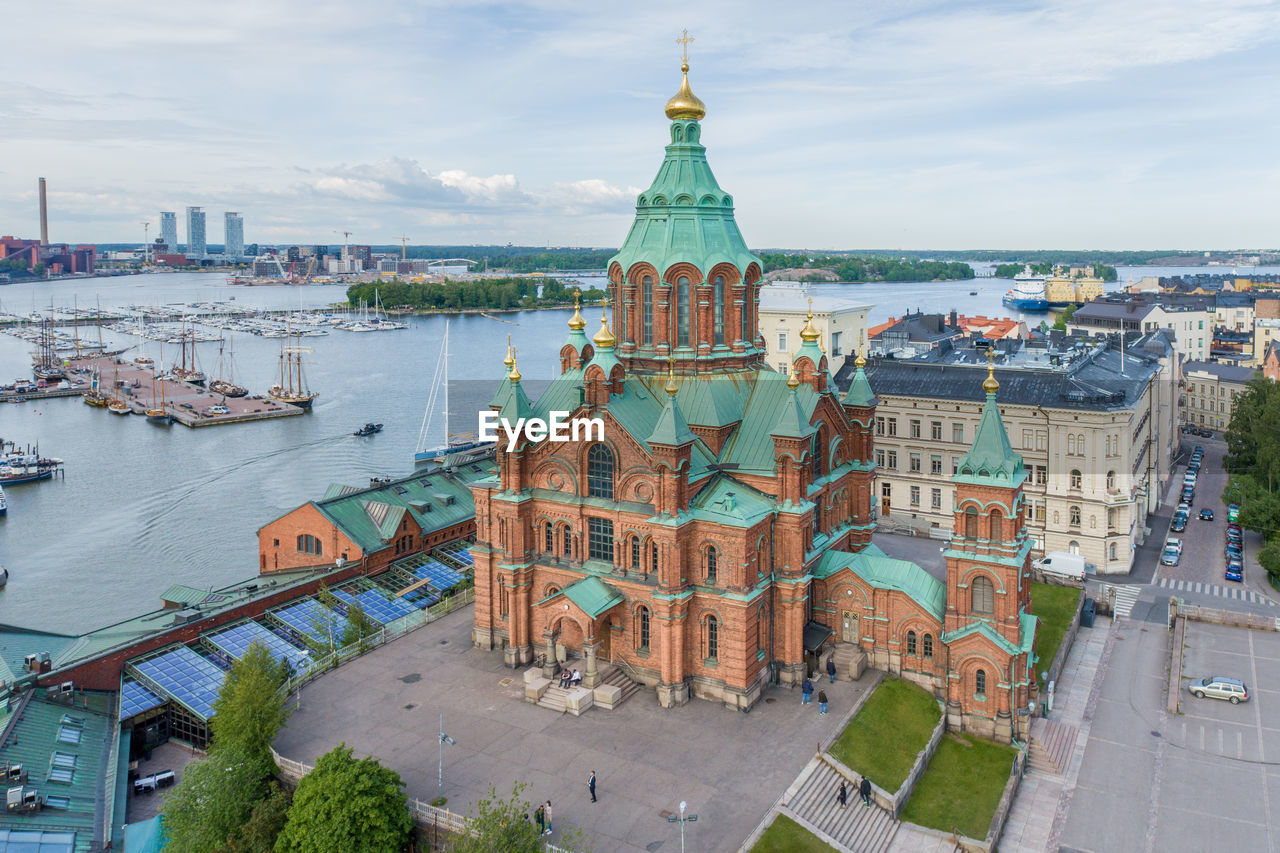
(1206, 514)
(1233, 573)
(1062, 564)
(1234, 551)
(1233, 512)
(1179, 523)
(1169, 557)
(1220, 687)
(1188, 498)
(1174, 543)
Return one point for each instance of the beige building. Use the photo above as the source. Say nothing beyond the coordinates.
(1210, 390)
(1191, 325)
(784, 307)
(1097, 435)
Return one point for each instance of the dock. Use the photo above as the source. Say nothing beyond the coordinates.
(186, 403)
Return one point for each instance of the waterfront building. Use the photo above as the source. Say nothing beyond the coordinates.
(1068, 290)
(784, 308)
(233, 242)
(1097, 429)
(169, 231)
(196, 246)
(1191, 319)
(716, 538)
(1210, 391)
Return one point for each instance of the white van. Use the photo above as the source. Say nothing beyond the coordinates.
(1062, 564)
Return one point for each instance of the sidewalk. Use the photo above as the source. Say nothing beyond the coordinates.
(1039, 810)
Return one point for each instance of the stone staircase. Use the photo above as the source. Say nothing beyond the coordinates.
(555, 699)
(1051, 745)
(613, 675)
(850, 662)
(855, 827)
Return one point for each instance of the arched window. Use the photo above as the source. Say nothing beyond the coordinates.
(762, 624)
(971, 522)
(1111, 479)
(997, 526)
(713, 638)
(549, 538)
(600, 472)
(719, 302)
(1076, 479)
(712, 557)
(928, 646)
(746, 314)
(1111, 551)
(980, 683)
(1071, 444)
(1073, 518)
(635, 553)
(983, 596)
(568, 543)
(682, 311)
(646, 288)
(653, 557)
(819, 448)
(1073, 547)
(642, 633)
(911, 643)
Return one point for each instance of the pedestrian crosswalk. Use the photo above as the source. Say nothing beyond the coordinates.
(1234, 592)
(1126, 596)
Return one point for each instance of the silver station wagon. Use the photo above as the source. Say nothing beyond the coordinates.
(1220, 687)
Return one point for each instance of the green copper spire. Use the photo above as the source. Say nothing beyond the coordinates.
(671, 430)
(791, 422)
(860, 393)
(991, 460)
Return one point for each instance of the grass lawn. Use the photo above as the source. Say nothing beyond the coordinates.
(892, 727)
(1054, 606)
(784, 835)
(962, 785)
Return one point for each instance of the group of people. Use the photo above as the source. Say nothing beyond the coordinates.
(570, 678)
(864, 789)
(542, 814)
(806, 690)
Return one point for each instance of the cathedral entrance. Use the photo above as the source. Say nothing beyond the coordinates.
(848, 626)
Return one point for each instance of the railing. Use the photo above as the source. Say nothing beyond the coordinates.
(628, 670)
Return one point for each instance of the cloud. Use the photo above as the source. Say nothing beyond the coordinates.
(592, 195)
(399, 180)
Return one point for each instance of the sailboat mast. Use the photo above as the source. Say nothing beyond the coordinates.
(446, 383)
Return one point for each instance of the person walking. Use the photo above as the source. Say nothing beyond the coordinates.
(831, 668)
(591, 785)
(540, 817)
(842, 796)
(806, 692)
(865, 790)
(547, 809)
(822, 701)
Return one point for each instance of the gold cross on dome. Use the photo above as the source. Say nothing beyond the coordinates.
(683, 41)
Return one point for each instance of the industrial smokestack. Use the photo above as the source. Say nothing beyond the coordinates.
(44, 216)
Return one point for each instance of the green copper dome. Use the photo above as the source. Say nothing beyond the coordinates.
(992, 459)
(684, 216)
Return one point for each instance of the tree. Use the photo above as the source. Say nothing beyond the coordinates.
(249, 710)
(347, 805)
(358, 627)
(260, 831)
(1061, 323)
(507, 825)
(216, 796)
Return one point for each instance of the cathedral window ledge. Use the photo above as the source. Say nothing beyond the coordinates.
(643, 652)
(710, 663)
(980, 697)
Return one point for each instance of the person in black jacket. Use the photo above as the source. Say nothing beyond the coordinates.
(831, 668)
(842, 796)
(865, 790)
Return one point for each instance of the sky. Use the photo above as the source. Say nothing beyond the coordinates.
(919, 125)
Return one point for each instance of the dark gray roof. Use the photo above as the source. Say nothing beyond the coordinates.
(1229, 372)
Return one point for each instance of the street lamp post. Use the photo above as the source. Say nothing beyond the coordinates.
(444, 738)
(682, 820)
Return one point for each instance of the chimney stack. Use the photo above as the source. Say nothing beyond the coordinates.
(44, 216)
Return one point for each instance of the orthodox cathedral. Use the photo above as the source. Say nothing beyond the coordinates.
(718, 538)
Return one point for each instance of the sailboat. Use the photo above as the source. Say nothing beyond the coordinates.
(227, 387)
(453, 442)
(187, 371)
(117, 406)
(94, 396)
(47, 364)
(158, 415)
(292, 388)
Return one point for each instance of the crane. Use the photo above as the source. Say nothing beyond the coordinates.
(404, 248)
(146, 248)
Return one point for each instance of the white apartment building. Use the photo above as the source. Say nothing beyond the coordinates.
(784, 307)
(1210, 390)
(1097, 431)
(1191, 324)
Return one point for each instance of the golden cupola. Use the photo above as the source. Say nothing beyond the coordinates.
(604, 337)
(684, 104)
(576, 323)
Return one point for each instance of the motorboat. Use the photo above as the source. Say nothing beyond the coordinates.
(4, 505)
(368, 429)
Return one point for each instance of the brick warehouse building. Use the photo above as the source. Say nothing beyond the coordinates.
(719, 535)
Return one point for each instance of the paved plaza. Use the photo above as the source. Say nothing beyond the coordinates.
(729, 766)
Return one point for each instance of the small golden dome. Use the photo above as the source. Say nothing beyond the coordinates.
(514, 375)
(793, 381)
(672, 388)
(510, 360)
(576, 322)
(990, 385)
(685, 104)
(809, 333)
(604, 337)
(859, 362)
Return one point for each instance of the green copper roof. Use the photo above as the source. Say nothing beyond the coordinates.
(884, 572)
(860, 393)
(592, 595)
(992, 459)
(672, 430)
(684, 216)
(605, 359)
(577, 339)
(727, 501)
(516, 406)
(499, 398)
(792, 422)
(986, 629)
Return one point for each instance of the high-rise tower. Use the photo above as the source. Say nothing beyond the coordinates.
(233, 242)
(169, 229)
(195, 232)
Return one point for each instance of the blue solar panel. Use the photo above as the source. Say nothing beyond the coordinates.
(134, 699)
(236, 640)
(186, 676)
(376, 605)
(310, 618)
(441, 577)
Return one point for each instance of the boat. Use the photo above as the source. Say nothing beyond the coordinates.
(368, 429)
(4, 577)
(973, 293)
(1027, 294)
(47, 364)
(292, 388)
(187, 371)
(25, 466)
(94, 396)
(117, 406)
(4, 506)
(227, 387)
(453, 442)
(158, 414)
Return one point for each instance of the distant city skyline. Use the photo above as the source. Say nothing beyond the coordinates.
(897, 124)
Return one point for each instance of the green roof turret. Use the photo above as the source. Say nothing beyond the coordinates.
(860, 393)
(991, 460)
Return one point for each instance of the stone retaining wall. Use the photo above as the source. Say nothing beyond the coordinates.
(1069, 638)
